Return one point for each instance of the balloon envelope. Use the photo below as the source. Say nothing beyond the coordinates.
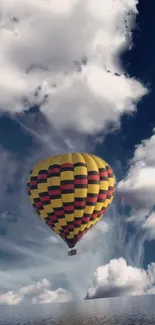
(71, 192)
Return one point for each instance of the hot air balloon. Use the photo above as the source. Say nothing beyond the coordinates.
(70, 193)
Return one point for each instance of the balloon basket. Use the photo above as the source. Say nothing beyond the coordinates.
(72, 252)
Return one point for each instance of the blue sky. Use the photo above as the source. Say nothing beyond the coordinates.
(55, 101)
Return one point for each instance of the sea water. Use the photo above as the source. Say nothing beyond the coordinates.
(121, 311)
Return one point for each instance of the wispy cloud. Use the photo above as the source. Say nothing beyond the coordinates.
(138, 187)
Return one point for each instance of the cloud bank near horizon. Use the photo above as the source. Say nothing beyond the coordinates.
(114, 279)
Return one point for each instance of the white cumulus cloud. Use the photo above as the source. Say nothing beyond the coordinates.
(65, 58)
(119, 279)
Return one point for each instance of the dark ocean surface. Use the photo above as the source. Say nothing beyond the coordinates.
(120, 311)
